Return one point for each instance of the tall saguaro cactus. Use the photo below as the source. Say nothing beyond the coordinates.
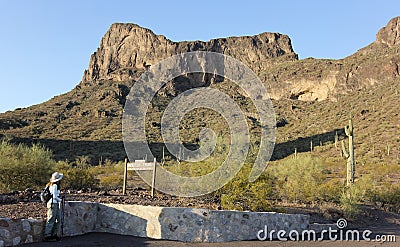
(349, 155)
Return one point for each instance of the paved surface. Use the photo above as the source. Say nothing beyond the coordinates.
(110, 240)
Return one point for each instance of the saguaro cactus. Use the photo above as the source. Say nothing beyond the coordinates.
(349, 155)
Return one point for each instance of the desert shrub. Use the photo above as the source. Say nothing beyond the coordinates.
(23, 166)
(389, 194)
(386, 196)
(111, 181)
(83, 162)
(375, 185)
(361, 192)
(303, 180)
(330, 190)
(109, 175)
(77, 178)
(349, 201)
(108, 168)
(62, 166)
(107, 163)
(240, 194)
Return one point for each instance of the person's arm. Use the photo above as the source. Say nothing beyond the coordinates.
(56, 193)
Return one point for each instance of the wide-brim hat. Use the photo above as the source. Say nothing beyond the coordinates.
(55, 177)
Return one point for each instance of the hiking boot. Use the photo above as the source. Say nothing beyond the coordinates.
(48, 238)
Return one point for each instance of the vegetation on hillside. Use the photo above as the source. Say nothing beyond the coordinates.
(23, 167)
(79, 133)
(91, 156)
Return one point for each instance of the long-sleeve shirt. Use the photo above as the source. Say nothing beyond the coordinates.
(55, 193)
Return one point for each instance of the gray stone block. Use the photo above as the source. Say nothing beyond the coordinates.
(16, 240)
(26, 226)
(5, 234)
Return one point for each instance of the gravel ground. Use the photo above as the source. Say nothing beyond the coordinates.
(27, 205)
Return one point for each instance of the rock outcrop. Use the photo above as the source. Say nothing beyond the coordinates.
(128, 48)
(321, 79)
(390, 34)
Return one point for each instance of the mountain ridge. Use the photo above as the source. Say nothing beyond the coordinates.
(92, 111)
(127, 47)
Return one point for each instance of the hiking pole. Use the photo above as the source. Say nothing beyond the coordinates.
(62, 215)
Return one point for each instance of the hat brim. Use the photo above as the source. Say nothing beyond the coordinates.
(57, 179)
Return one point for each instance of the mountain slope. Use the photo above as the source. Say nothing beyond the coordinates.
(87, 120)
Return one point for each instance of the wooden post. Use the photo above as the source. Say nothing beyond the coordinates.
(125, 176)
(179, 155)
(336, 139)
(163, 157)
(153, 182)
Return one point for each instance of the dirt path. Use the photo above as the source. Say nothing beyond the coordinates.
(110, 240)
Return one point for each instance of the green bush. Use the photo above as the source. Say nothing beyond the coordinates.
(109, 175)
(111, 181)
(240, 194)
(23, 166)
(389, 194)
(83, 162)
(304, 180)
(77, 178)
(82, 175)
(350, 201)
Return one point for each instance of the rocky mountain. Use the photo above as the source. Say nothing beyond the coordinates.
(389, 35)
(126, 48)
(320, 79)
(87, 120)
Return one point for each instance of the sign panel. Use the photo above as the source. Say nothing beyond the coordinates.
(140, 165)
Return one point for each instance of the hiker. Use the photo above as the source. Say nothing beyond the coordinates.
(53, 208)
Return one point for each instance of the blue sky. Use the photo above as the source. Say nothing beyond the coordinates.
(46, 45)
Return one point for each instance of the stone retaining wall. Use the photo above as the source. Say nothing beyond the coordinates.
(20, 231)
(182, 224)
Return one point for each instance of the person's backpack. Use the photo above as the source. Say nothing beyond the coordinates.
(45, 195)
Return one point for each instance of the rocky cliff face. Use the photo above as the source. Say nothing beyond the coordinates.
(321, 79)
(127, 48)
(390, 34)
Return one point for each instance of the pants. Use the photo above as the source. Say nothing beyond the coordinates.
(53, 219)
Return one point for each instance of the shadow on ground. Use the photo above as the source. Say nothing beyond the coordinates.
(113, 240)
(114, 150)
